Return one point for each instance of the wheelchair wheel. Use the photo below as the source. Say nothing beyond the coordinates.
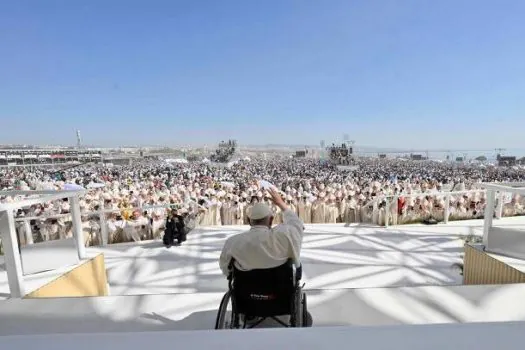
(305, 316)
(220, 321)
(296, 318)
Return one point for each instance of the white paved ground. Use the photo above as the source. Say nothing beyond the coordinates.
(334, 256)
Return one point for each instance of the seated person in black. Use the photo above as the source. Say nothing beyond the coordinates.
(174, 229)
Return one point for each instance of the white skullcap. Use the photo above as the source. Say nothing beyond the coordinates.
(259, 211)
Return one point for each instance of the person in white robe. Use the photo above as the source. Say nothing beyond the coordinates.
(393, 211)
(237, 212)
(438, 210)
(331, 210)
(319, 210)
(301, 209)
(341, 206)
(350, 216)
(264, 246)
(226, 212)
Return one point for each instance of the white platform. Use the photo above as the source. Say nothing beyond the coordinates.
(32, 281)
(336, 259)
(334, 256)
(501, 336)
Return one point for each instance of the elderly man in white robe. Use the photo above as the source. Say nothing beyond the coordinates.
(264, 246)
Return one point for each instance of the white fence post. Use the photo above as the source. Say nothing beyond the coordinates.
(77, 226)
(28, 232)
(375, 213)
(103, 228)
(447, 208)
(395, 212)
(387, 212)
(13, 261)
(499, 204)
(489, 213)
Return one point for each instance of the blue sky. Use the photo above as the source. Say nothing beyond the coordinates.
(407, 73)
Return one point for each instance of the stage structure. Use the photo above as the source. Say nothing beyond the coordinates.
(301, 154)
(506, 160)
(224, 153)
(341, 154)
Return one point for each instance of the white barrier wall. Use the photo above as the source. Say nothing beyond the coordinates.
(49, 255)
(477, 336)
(509, 241)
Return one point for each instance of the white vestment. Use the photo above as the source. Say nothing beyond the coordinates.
(264, 248)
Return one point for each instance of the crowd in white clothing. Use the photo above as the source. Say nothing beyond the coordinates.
(218, 195)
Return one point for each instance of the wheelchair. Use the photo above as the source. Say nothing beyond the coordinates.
(261, 294)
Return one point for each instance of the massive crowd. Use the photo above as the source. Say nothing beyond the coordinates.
(137, 199)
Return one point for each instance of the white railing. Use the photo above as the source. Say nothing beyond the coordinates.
(509, 242)
(98, 213)
(13, 261)
(393, 199)
(364, 211)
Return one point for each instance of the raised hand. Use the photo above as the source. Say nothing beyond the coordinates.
(276, 198)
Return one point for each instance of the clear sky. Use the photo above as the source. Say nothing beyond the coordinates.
(407, 73)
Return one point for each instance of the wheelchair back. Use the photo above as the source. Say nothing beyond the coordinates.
(263, 292)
